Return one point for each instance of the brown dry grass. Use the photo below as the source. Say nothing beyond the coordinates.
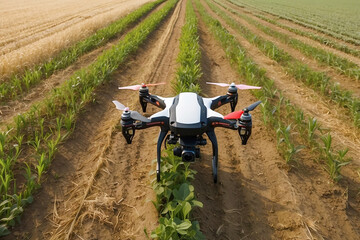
(33, 31)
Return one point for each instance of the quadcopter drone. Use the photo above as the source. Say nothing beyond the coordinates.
(186, 117)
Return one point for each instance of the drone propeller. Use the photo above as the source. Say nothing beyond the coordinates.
(133, 114)
(252, 106)
(137, 87)
(239, 86)
(237, 114)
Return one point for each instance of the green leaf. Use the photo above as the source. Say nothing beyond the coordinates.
(3, 230)
(197, 203)
(182, 193)
(183, 226)
(186, 209)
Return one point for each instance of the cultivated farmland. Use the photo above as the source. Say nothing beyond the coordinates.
(67, 172)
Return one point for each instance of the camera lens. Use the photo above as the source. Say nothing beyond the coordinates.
(188, 156)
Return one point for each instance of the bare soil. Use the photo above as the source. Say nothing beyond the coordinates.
(99, 187)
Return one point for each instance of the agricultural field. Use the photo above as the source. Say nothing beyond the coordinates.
(340, 19)
(66, 171)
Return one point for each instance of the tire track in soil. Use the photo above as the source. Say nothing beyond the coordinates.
(41, 90)
(128, 193)
(345, 82)
(288, 203)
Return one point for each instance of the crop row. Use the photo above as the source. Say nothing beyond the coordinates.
(21, 83)
(310, 22)
(189, 72)
(175, 197)
(321, 39)
(317, 80)
(342, 65)
(39, 131)
(278, 113)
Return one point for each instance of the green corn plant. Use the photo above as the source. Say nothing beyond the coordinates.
(2, 144)
(334, 162)
(69, 119)
(52, 147)
(286, 143)
(299, 119)
(36, 142)
(30, 181)
(41, 166)
(313, 126)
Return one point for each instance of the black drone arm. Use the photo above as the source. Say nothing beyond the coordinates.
(145, 97)
(243, 126)
(231, 98)
(220, 122)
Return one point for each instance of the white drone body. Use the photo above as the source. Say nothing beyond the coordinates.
(185, 118)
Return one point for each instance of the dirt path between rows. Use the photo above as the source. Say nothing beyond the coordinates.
(298, 203)
(73, 180)
(42, 90)
(345, 82)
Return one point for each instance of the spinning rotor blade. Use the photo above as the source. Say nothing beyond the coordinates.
(133, 114)
(253, 106)
(243, 87)
(137, 87)
(219, 84)
(239, 86)
(137, 116)
(119, 105)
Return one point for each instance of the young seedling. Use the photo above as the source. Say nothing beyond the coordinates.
(334, 162)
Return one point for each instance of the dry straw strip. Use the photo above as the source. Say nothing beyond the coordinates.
(68, 222)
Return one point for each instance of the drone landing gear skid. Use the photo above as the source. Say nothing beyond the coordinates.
(212, 137)
(161, 138)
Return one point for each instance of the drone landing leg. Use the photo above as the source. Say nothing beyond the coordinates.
(213, 140)
(162, 135)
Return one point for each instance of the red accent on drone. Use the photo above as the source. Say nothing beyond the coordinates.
(234, 115)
